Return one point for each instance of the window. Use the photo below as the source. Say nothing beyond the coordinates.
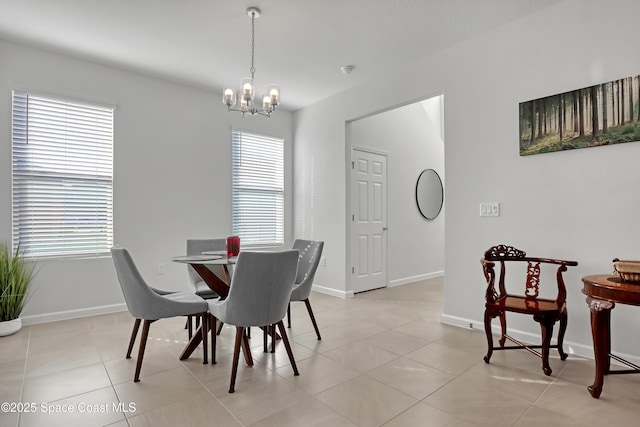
(62, 166)
(258, 189)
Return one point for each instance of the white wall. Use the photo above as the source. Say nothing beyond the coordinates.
(578, 204)
(172, 172)
(411, 136)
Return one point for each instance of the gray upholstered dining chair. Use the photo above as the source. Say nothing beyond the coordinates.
(310, 252)
(196, 247)
(146, 304)
(259, 295)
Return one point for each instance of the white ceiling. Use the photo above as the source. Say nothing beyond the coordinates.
(300, 44)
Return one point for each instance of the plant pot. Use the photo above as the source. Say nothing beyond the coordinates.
(9, 327)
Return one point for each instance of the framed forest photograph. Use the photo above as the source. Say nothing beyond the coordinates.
(603, 114)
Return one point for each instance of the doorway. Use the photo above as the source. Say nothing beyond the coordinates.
(402, 246)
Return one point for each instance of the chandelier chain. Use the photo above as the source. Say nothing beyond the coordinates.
(253, 43)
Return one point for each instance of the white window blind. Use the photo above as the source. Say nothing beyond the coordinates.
(62, 165)
(258, 189)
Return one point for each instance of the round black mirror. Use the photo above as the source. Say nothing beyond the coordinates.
(429, 194)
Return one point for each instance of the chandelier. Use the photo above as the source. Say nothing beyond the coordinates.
(247, 92)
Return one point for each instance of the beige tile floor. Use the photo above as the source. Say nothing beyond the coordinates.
(384, 359)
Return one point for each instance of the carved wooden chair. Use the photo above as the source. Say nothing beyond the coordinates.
(544, 311)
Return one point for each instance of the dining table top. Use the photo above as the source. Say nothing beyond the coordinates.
(206, 258)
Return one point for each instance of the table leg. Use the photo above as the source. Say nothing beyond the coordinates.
(601, 332)
(194, 342)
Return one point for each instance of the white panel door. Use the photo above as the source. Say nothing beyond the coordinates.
(369, 220)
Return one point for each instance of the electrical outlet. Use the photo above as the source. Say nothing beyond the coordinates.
(490, 209)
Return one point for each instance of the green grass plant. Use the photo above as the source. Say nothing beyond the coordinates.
(16, 275)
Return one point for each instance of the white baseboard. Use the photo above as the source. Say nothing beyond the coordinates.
(411, 279)
(398, 282)
(332, 292)
(73, 314)
(570, 347)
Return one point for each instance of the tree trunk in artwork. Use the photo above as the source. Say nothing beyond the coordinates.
(638, 84)
(630, 99)
(605, 118)
(622, 101)
(581, 112)
(638, 81)
(594, 111)
(575, 111)
(533, 121)
(540, 120)
(560, 113)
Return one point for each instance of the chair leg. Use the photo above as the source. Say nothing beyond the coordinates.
(265, 332)
(220, 325)
(188, 326)
(487, 330)
(561, 331)
(236, 356)
(503, 326)
(247, 350)
(134, 333)
(212, 327)
(289, 314)
(313, 318)
(205, 332)
(287, 346)
(273, 338)
(547, 331)
(143, 345)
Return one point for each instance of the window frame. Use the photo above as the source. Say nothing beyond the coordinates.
(275, 208)
(69, 164)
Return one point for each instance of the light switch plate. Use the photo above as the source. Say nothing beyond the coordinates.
(490, 209)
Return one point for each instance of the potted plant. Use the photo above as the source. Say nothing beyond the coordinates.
(15, 277)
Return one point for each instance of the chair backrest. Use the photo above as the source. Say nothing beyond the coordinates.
(196, 247)
(261, 287)
(308, 260)
(142, 301)
(137, 294)
(503, 254)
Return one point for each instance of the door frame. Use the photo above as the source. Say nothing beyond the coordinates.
(350, 225)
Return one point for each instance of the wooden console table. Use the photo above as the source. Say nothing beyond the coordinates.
(603, 292)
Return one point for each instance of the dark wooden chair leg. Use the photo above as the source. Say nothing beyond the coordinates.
(220, 325)
(265, 332)
(273, 338)
(134, 333)
(503, 327)
(205, 332)
(487, 330)
(236, 356)
(313, 318)
(212, 328)
(547, 332)
(188, 326)
(289, 315)
(287, 346)
(561, 331)
(247, 350)
(143, 345)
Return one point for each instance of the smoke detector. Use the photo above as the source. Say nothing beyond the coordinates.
(346, 69)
